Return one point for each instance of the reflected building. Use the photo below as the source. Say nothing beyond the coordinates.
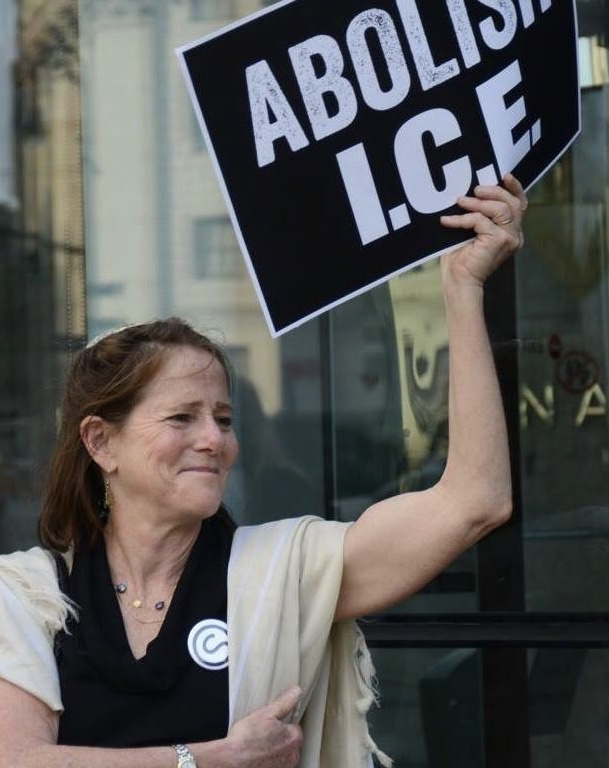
(159, 239)
(43, 307)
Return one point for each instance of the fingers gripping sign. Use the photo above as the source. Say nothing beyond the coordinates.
(494, 214)
(268, 738)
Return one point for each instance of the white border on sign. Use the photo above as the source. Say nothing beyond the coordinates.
(233, 25)
(180, 51)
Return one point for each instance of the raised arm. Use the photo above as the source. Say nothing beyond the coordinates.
(401, 543)
(28, 735)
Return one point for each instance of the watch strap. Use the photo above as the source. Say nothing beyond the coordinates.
(185, 757)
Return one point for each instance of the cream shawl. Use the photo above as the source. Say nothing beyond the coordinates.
(32, 611)
(283, 584)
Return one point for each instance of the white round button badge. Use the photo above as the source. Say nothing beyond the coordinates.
(208, 644)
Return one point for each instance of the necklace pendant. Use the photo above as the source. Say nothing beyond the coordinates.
(121, 588)
(160, 605)
(137, 603)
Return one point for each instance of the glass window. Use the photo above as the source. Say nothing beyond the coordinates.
(563, 362)
(430, 707)
(217, 254)
(438, 708)
(42, 302)
(212, 10)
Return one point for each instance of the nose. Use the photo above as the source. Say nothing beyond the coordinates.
(209, 436)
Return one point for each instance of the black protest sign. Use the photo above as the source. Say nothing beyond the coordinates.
(340, 132)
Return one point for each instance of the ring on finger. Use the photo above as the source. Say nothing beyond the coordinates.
(503, 222)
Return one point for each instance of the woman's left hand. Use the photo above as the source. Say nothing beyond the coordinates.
(494, 214)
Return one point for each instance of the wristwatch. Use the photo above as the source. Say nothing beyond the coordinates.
(185, 757)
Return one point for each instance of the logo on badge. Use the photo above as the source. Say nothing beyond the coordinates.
(208, 644)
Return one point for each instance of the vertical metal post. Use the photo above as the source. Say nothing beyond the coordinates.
(500, 558)
(327, 415)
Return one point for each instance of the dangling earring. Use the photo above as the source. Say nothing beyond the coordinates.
(108, 498)
(106, 505)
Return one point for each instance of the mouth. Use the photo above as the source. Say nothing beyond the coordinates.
(203, 470)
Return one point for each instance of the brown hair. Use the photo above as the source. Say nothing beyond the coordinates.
(107, 379)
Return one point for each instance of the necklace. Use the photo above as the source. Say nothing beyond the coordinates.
(139, 620)
(121, 588)
(146, 621)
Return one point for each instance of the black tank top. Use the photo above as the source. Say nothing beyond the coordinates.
(113, 700)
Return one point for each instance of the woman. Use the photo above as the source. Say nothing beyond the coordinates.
(134, 501)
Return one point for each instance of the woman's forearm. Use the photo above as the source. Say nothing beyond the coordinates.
(478, 463)
(208, 755)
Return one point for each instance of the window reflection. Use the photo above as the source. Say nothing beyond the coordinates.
(433, 703)
(421, 339)
(216, 253)
(212, 10)
(391, 389)
(366, 403)
(41, 244)
(563, 320)
(269, 482)
(567, 708)
(431, 707)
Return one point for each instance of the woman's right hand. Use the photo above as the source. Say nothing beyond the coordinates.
(266, 738)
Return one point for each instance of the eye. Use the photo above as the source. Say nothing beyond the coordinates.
(224, 422)
(181, 418)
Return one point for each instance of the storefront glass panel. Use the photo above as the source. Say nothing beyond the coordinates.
(562, 294)
(434, 707)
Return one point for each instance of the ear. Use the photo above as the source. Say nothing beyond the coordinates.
(95, 434)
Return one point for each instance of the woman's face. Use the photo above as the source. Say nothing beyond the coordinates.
(173, 453)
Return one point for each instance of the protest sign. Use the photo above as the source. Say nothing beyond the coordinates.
(340, 132)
